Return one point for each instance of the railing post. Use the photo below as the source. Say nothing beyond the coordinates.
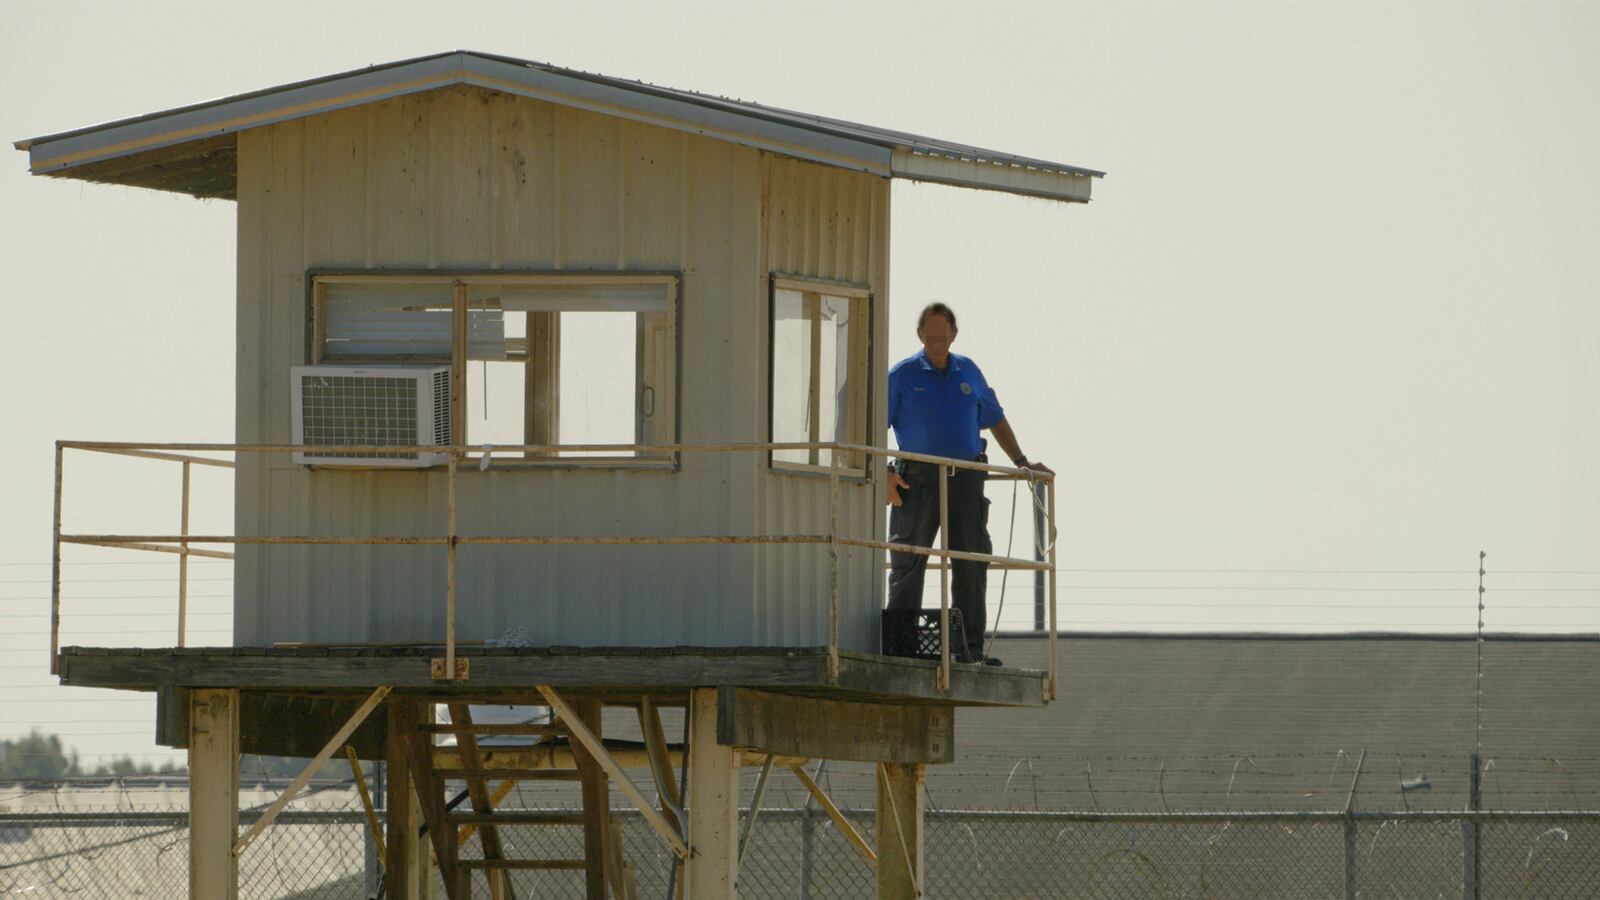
(183, 560)
(55, 574)
(1050, 551)
(450, 571)
(1036, 489)
(833, 565)
(944, 580)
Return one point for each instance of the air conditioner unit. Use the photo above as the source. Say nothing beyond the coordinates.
(368, 406)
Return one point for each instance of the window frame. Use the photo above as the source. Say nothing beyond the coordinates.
(853, 466)
(318, 280)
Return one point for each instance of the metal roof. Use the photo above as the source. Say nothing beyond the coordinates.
(191, 149)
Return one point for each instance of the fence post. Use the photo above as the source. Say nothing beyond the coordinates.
(807, 844)
(1350, 890)
(1472, 837)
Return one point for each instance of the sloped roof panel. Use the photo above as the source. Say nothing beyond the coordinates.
(150, 150)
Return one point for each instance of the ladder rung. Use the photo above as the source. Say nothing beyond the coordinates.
(525, 817)
(510, 774)
(522, 864)
(492, 728)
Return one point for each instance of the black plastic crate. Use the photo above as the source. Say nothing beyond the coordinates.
(915, 633)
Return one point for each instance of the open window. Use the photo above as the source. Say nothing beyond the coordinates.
(554, 361)
(820, 358)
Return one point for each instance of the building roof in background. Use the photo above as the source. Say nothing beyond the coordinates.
(1150, 722)
(193, 149)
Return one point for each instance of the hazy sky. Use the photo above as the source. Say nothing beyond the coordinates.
(1333, 313)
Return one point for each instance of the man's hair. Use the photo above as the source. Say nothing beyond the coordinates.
(937, 309)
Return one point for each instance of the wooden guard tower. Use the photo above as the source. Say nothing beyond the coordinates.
(557, 390)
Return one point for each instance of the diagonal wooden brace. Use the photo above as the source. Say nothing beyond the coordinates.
(317, 762)
(596, 749)
(848, 830)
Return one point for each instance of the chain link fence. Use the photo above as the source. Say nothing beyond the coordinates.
(799, 853)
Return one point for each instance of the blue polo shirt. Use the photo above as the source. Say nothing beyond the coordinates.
(941, 414)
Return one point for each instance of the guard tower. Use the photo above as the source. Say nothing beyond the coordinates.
(553, 389)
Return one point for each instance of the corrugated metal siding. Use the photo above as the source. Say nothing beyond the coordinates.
(829, 224)
(468, 179)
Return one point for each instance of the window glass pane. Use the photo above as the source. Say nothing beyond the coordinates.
(388, 320)
(496, 387)
(598, 378)
(791, 374)
(835, 373)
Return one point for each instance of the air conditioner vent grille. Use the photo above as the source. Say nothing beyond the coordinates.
(370, 406)
(366, 411)
(441, 401)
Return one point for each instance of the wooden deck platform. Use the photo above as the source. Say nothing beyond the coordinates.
(504, 672)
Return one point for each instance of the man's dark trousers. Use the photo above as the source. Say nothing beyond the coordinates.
(916, 521)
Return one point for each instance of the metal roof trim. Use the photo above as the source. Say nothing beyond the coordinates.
(834, 142)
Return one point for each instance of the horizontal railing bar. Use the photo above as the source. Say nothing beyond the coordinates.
(943, 461)
(112, 540)
(163, 548)
(463, 450)
(172, 457)
(691, 539)
(118, 540)
(1008, 561)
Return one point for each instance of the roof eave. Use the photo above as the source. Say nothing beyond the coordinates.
(55, 154)
(1010, 178)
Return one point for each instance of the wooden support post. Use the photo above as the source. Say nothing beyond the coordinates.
(402, 848)
(596, 802)
(213, 793)
(430, 800)
(900, 817)
(713, 864)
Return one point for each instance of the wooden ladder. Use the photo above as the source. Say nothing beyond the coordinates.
(602, 861)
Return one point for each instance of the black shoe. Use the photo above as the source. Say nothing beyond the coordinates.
(992, 661)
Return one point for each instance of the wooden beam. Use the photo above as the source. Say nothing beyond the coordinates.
(835, 729)
(488, 834)
(862, 676)
(838, 817)
(430, 797)
(596, 799)
(592, 744)
(213, 794)
(901, 807)
(712, 871)
(366, 798)
(402, 848)
(300, 781)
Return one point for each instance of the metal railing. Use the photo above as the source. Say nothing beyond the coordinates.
(534, 456)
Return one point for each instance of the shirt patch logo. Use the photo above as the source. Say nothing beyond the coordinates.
(966, 388)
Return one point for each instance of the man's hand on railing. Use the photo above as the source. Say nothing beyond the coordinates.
(895, 482)
(1040, 468)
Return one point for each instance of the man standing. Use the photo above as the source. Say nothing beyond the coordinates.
(939, 403)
